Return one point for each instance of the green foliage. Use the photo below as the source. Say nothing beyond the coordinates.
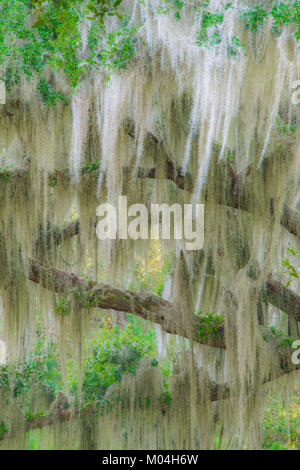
(39, 373)
(89, 166)
(120, 48)
(28, 50)
(285, 13)
(235, 47)
(145, 330)
(3, 429)
(166, 396)
(281, 13)
(4, 379)
(93, 9)
(281, 425)
(281, 16)
(53, 42)
(30, 416)
(211, 323)
(291, 270)
(37, 37)
(175, 5)
(284, 339)
(285, 128)
(113, 52)
(209, 33)
(166, 368)
(112, 353)
(255, 17)
(63, 306)
(5, 173)
(49, 95)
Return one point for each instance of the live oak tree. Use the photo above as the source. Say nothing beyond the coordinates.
(160, 116)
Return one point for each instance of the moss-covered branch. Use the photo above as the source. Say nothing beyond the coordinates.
(147, 305)
(283, 298)
(143, 304)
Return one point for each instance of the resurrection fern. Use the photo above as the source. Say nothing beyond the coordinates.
(274, 332)
(89, 166)
(211, 324)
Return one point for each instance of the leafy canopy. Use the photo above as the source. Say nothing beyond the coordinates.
(37, 37)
